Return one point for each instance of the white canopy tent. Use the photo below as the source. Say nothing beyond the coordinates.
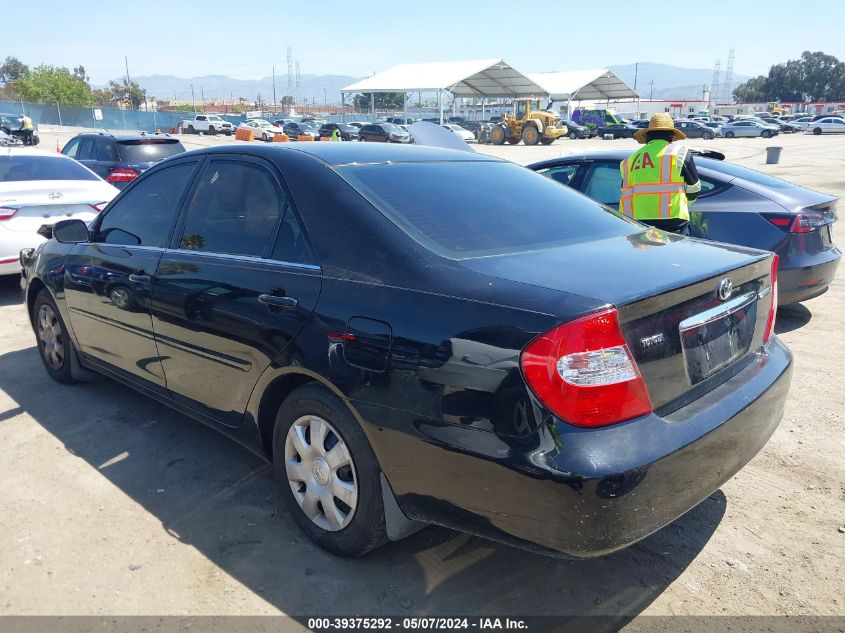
(476, 78)
(583, 85)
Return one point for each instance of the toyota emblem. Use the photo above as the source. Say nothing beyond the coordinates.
(55, 195)
(725, 289)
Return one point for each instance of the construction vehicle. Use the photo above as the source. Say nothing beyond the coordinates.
(528, 124)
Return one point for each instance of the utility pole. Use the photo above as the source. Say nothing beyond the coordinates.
(193, 101)
(325, 100)
(202, 99)
(128, 84)
(651, 94)
(274, 85)
(636, 74)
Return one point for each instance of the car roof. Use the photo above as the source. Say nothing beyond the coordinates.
(349, 153)
(125, 137)
(28, 151)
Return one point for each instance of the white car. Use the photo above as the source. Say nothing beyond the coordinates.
(803, 121)
(261, 129)
(37, 188)
(462, 132)
(827, 125)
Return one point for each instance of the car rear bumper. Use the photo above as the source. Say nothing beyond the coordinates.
(806, 282)
(588, 492)
(11, 243)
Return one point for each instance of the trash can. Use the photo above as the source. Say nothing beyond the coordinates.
(773, 155)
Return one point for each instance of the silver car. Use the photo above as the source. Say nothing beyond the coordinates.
(749, 127)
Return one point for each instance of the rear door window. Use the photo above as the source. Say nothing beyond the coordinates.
(603, 183)
(564, 174)
(72, 149)
(85, 149)
(235, 210)
(106, 151)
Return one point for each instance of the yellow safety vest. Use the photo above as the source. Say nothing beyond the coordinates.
(27, 123)
(653, 183)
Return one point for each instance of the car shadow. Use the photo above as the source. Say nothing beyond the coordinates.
(216, 496)
(791, 317)
(10, 290)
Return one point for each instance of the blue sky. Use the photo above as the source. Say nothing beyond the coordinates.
(188, 38)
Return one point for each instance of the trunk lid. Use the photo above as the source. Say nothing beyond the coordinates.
(685, 338)
(42, 202)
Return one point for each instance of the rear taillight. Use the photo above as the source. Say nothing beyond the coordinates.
(584, 373)
(773, 309)
(98, 206)
(7, 212)
(122, 175)
(797, 223)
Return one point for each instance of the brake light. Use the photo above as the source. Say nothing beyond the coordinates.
(98, 206)
(800, 223)
(7, 212)
(122, 175)
(773, 309)
(584, 373)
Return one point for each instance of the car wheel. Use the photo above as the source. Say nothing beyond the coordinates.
(53, 341)
(817, 131)
(329, 474)
(497, 135)
(121, 297)
(191, 129)
(573, 135)
(729, 134)
(264, 137)
(707, 136)
(212, 130)
(766, 134)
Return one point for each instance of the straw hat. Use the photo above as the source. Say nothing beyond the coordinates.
(660, 121)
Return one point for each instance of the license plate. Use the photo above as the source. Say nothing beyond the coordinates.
(715, 338)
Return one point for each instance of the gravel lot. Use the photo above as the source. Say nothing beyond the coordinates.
(113, 504)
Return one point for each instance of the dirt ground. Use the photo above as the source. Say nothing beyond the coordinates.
(113, 504)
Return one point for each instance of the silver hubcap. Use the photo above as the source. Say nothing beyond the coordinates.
(50, 335)
(120, 297)
(321, 473)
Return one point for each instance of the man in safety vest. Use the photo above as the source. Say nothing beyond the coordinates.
(659, 180)
(26, 129)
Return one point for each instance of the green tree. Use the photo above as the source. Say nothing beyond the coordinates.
(50, 84)
(12, 69)
(384, 101)
(814, 77)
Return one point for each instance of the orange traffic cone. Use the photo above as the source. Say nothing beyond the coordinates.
(58, 151)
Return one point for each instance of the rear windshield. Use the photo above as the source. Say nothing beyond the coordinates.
(731, 169)
(479, 208)
(149, 150)
(19, 168)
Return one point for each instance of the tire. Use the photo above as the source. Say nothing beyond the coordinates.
(766, 134)
(264, 137)
(530, 135)
(547, 141)
(707, 136)
(817, 131)
(191, 130)
(347, 529)
(212, 130)
(497, 135)
(573, 135)
(54, 346)
(729, 134)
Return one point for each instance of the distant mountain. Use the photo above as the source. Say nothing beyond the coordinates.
(670, 82)
(221, 87)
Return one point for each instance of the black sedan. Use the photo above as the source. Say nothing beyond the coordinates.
(383, 133)
(738, 206)
(616, 130)
(295, 129)
(346, 132)
(574, 130)
(415, 335)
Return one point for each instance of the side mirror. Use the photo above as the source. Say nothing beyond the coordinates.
(70, 231)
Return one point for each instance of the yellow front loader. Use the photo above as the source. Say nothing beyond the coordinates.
(528, 124)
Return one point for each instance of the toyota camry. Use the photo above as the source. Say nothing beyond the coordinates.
(420, 336)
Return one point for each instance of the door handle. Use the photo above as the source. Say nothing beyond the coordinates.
(282, 302)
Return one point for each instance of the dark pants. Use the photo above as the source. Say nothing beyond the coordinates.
(26, 137)
(680, 227)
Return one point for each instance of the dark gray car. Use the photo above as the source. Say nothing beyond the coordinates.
(738, 206)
